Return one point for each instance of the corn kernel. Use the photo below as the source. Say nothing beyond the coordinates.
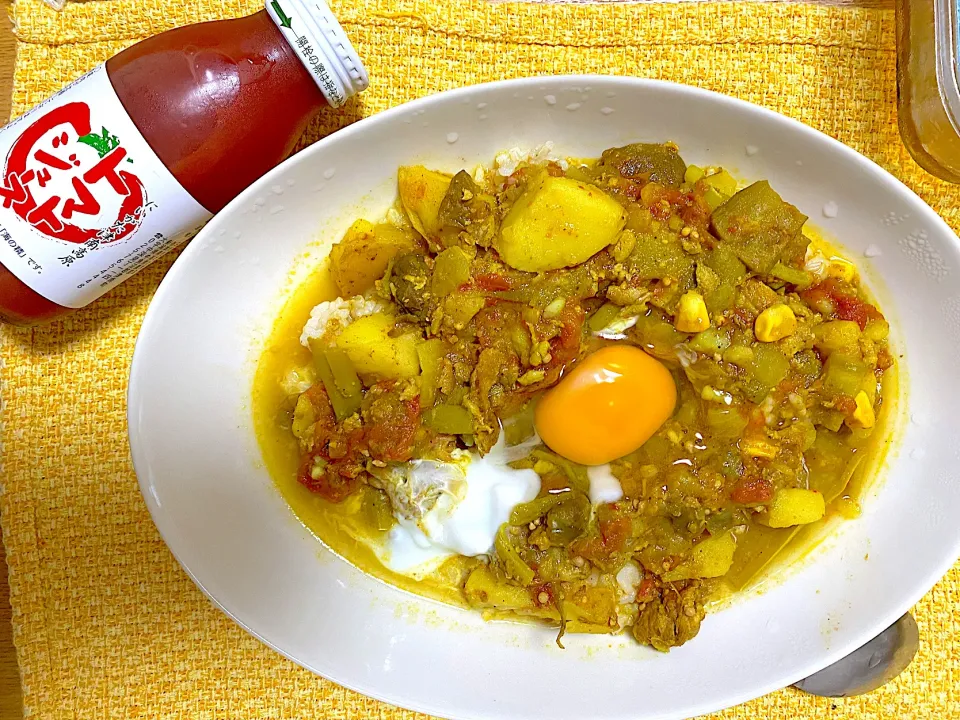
(542, 467)
(775, 323)
(864, 414)
(758, 449)
(531, 376)
(692, 313)
(711, 394)
(841, 269)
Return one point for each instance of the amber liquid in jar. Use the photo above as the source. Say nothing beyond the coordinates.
(928, 91)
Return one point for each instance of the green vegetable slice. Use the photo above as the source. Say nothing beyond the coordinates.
(346, 400)
(449, 419)
(760, 227)
(513, 563)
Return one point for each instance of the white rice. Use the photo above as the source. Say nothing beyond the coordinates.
(816, 263)
(506, 162)
(629, 579)
(335, 315)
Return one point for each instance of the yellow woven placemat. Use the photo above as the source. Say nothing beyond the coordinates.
(106, 623)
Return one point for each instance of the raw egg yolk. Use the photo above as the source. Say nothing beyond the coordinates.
(612, 402)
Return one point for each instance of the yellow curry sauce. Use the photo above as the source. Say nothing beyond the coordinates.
(834, 311)
(340, 526)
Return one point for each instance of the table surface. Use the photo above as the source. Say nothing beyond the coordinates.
(11, 703)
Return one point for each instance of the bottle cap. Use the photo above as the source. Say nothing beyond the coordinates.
(322, 46)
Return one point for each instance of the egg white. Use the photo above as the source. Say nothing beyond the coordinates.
(474, 497)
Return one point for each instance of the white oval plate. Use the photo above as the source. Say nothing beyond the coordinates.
(199, 465)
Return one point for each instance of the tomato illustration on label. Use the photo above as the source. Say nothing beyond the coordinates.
(70, 183)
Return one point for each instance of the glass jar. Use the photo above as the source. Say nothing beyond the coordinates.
(928, 84)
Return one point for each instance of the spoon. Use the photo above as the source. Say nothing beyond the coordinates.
(870, 666)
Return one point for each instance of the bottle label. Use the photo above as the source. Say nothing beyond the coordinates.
(86, 203)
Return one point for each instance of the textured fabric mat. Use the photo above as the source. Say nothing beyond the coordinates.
(106, 623)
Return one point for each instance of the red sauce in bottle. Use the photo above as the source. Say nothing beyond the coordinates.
(219, 103)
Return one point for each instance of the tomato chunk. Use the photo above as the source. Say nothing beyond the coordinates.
(752, 491)
(830, 297)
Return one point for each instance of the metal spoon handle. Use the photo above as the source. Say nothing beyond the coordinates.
(868, 667)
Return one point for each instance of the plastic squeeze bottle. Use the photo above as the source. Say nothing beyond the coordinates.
(134, 157)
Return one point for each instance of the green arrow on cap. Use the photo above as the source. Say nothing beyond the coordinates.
(284, 18)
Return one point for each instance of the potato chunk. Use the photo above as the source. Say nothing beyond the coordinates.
(558, 222)
(361, 258)
(372, 351)
(421, 192)
(710, 558)
(795, 506)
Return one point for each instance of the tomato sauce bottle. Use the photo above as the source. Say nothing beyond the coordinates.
(135, 156)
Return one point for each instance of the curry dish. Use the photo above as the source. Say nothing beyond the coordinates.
(594, 393)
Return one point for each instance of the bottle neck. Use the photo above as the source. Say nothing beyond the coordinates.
(312, 31)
